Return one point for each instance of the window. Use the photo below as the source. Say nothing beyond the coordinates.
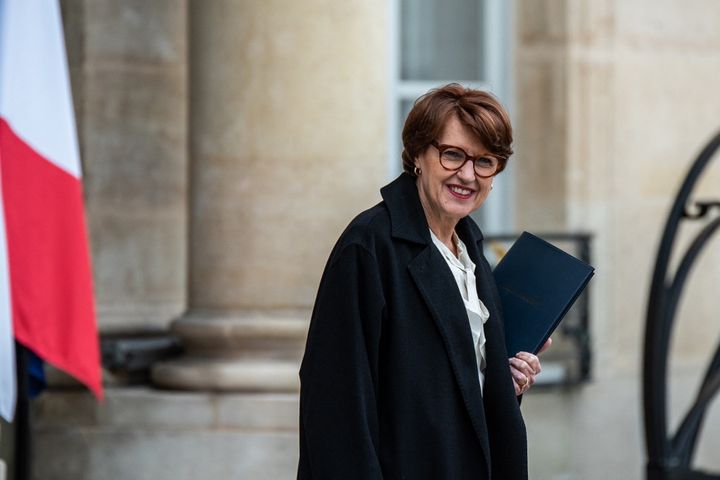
(435, 42)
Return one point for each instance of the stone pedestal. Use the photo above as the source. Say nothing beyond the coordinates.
(256, 351)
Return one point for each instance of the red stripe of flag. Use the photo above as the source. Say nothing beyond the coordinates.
(49, 261)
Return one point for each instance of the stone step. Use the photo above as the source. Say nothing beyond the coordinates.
(141, 433)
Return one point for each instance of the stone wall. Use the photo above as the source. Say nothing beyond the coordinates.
(616, 99)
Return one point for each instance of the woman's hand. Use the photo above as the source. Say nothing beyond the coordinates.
(524, 367)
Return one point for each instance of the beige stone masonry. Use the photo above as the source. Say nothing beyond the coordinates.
(141, 433)
(129, 72)
(250, 352)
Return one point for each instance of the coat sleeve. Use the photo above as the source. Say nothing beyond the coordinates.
(338, 409)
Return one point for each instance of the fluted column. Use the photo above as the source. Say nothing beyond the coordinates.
(287, 144)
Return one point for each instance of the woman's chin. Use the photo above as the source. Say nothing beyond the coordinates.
(461, 208)
(458, 212)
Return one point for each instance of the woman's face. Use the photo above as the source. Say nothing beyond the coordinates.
(448, 196)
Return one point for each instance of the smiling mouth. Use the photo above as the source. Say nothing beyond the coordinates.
(460, 192)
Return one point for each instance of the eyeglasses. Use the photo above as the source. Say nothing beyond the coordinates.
(454, 158)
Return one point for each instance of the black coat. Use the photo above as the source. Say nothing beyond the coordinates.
(389, 383)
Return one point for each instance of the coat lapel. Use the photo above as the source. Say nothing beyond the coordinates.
(439, 290)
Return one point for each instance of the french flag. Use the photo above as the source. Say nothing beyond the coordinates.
(46, 295)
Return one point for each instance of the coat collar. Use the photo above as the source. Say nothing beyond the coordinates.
(408, 218)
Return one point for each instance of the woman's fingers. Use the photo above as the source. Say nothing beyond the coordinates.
(524, 367)
(532, 360)
(547, 345)
(521, 380)
(520, 375)
(518, 389)
(520, 384)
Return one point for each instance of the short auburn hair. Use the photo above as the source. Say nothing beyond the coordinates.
(480, 111)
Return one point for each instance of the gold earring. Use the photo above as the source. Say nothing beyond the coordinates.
(417, 171)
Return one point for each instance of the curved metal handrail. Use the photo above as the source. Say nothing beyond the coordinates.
(670, 458)
(683, 442)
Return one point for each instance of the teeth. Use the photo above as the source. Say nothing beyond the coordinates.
(461, 191)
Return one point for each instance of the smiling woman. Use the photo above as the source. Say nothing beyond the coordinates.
(405, 373)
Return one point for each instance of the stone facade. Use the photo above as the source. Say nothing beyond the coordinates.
(616, 99)
(227, 143)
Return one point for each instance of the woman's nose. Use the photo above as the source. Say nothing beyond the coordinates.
(467, 171)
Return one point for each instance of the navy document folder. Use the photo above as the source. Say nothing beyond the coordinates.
(538, 284)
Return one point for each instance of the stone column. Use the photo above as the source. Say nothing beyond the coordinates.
(285, 148)
(128, 66)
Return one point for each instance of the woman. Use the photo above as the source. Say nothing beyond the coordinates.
(405, 373)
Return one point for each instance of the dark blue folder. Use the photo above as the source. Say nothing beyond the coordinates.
(538, 283)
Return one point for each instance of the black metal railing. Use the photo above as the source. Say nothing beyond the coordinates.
(669, 457)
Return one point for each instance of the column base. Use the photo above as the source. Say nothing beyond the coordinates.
(227, 375)
(252, 351)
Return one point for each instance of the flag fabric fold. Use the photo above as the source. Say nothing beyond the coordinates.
(44, 251)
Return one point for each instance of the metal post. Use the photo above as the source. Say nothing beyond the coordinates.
(22, 416)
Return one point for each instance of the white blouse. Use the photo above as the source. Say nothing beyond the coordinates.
(463, 269)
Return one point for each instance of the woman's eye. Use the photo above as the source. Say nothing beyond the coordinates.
(451, 154)
(485, 162)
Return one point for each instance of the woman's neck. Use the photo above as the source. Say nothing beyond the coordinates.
(444, 232)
